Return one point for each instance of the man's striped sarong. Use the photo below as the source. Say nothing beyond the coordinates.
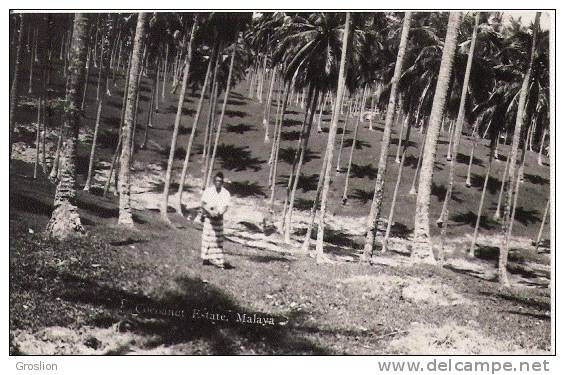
(213, 240)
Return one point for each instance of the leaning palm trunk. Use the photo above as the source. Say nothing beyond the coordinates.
(540, 152)
(268, 105)
(538, 239)
(305, 137)
(297, 154)
(501, 193)
(118, 146)
(481, 202)
(211, 111)
(344, 129)
(221, 119)
(307, 237)
(125, 215)
(331, 143)
(191, 138)
(93, 148)
(353, 144)
(514, 188)
(322, 107)
(374, 214)
(277, 115)
(165, 203)
(419, 163)
(403, 124)
(274, 160)
(422, 247)
(396, 187)
(475, 136)
(65, 219)
(154, 98)
(16, 82)
(454, 140)
(37, 139)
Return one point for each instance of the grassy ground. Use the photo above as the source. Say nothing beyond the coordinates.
(81, 296)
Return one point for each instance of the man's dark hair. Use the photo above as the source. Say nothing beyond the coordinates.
(220, 175)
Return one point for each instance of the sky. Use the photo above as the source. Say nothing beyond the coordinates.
(528, 18)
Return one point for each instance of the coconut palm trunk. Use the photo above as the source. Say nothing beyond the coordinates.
(396, 187)
(165, 67)
(277, 145)
(376, 204)
(165, 202)
(540, 152)
(320, 258)
(268, 105)
(455, 138)
(513, 188)
(338, 163)
(538, 239)
(14, 89)
(305, 137)
(501, 192)
(221, 119)
(125, 215)
(192, 135)
(482, 201)
(93, 148)
(475, 136)
(37, 139)
(154, 98)
(344, 197)
(118, 146)
(65, 220)
(422, 247)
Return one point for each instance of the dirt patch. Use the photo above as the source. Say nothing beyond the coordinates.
(453, 339)
(410, 289)
(58, 340)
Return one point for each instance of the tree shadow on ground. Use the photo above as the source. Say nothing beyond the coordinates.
(306, 183)
(493, 185)
(238, 159)
(363, 171)
(234, 113)
(342, 241)
(190, 300)
(245, 189)
(240, 128)
(439, 191)
(359, 144)
(470, 218)
(462, 158)
(173, 109)
(535, 179)
(362, 196)
(287, 155)
(290, 135)
(527, 217)
(526, 300)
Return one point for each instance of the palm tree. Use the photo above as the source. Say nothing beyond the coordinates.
(125, 215)
(422, 249)
(331, 141)
(193, 134)
(16, 81)
(65, 220)
(513, 183)
(456, 134)
(374, 213)
(165, 203)
(221, 119)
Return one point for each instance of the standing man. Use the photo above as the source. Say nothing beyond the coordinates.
(215, 203)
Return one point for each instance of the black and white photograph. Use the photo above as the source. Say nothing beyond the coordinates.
(281, 182)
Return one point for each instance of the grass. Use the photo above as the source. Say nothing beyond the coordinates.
(92, 286)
